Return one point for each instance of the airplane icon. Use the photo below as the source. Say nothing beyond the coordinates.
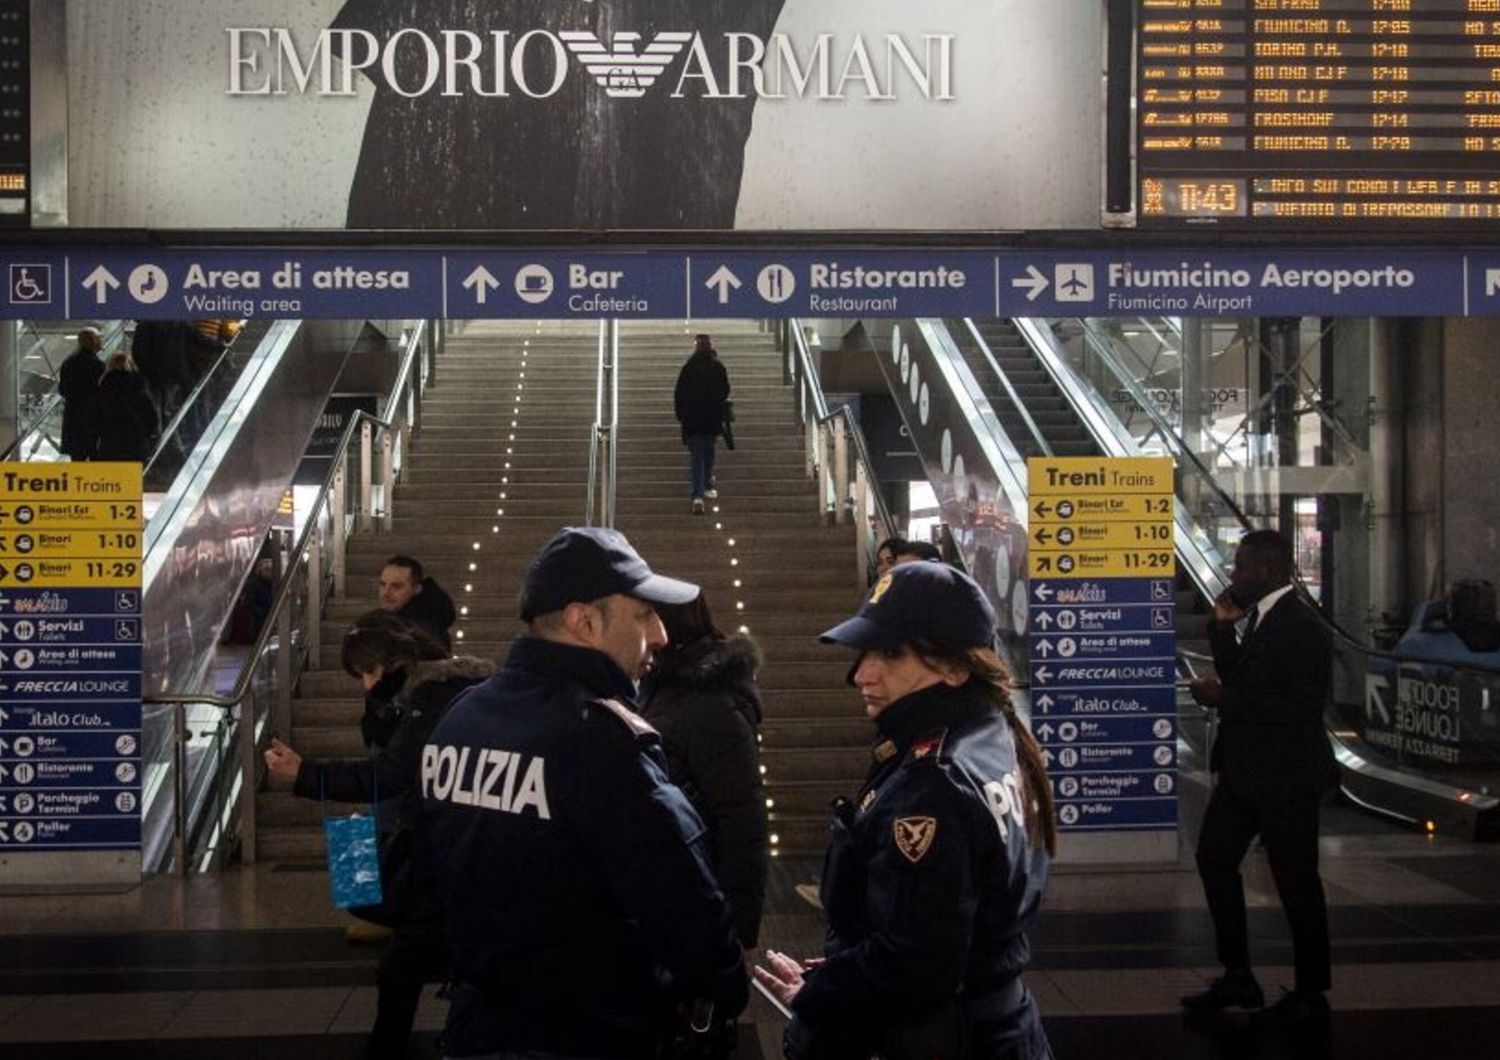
(1075, 282)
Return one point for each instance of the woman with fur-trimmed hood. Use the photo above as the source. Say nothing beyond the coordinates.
(702, 697)
(402, 662)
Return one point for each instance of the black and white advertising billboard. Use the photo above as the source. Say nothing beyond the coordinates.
(596, 115)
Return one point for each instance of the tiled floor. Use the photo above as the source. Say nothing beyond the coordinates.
(253, 963)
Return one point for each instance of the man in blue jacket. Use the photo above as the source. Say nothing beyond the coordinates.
(580, 909)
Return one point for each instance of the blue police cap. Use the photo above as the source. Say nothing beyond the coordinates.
(919, 601)
(589, 563)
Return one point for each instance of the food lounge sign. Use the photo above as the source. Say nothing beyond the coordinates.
(1427, 711)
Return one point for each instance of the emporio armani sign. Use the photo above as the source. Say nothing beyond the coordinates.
(268, 61)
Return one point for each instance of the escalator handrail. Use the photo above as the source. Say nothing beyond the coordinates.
(108, 343)
(1164, 428)
(1010, 390)
(1206, 571)
(169, 432)
(1160, 422)
(283, 591)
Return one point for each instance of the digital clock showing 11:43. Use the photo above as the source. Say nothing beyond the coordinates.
(1193, 197)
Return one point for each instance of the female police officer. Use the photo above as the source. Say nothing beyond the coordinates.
(937, 867)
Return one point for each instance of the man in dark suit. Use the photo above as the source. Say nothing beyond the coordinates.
(1273, 764)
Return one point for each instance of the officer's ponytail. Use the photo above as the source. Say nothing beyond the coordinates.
(993, 679)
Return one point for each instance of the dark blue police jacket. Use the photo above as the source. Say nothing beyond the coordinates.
(929, 886)
(579, 903)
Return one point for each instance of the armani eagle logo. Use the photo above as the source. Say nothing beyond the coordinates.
(621, 70)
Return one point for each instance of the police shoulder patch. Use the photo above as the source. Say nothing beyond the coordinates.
(637, 725)
(914, 836)
(928, 749)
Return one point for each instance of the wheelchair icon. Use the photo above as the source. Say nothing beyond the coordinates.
(31, 284)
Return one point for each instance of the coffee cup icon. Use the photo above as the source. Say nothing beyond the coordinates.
(534, 284)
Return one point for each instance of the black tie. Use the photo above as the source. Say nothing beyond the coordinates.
(1251, 624)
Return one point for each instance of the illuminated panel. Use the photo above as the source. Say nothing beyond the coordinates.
(1281, 112)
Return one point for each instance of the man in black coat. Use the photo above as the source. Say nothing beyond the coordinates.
(405, 590)
(77, 380)
(1274, 764)
(698, 400)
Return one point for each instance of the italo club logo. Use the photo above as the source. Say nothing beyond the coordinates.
(269, 61)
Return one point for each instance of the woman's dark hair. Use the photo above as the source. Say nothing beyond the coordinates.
(894, 545)
(385, 640)
(984, 666)
(686, 625)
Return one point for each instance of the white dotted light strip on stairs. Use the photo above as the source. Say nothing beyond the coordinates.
(739, 608)
(504, 481)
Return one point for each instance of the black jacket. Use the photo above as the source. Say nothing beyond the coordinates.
(930, 886)
(161, 351)
(122, 422)
(1275, 686)
(707, 709)
(433, 610)
(411, 900)
(580, 905)
(77, 380)
(425, 694)
(702, 388)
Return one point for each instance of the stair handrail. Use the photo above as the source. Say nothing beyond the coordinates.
(1010, 390)
(110, 341)
(604, 449)
(847, 490)
(305, 582)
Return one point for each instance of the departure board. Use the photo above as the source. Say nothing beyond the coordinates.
(15, 111)
(1305, 113)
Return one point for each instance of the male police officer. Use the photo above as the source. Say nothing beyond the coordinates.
(580, 907)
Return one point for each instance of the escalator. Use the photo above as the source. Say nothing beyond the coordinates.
(1038, 397)
(214, 485)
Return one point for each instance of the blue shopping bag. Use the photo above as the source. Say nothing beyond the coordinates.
(353, 860)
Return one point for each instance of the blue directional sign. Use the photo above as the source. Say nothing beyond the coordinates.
(1233, 283)
(626, 285)
(1106, 699)
(1103, 649)
(70, 669)
(1116, 815)
(160, 283)
(841, 284)
(1109, 728)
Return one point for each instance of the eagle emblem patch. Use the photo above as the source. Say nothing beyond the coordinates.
(880, 587)
(914, 836)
